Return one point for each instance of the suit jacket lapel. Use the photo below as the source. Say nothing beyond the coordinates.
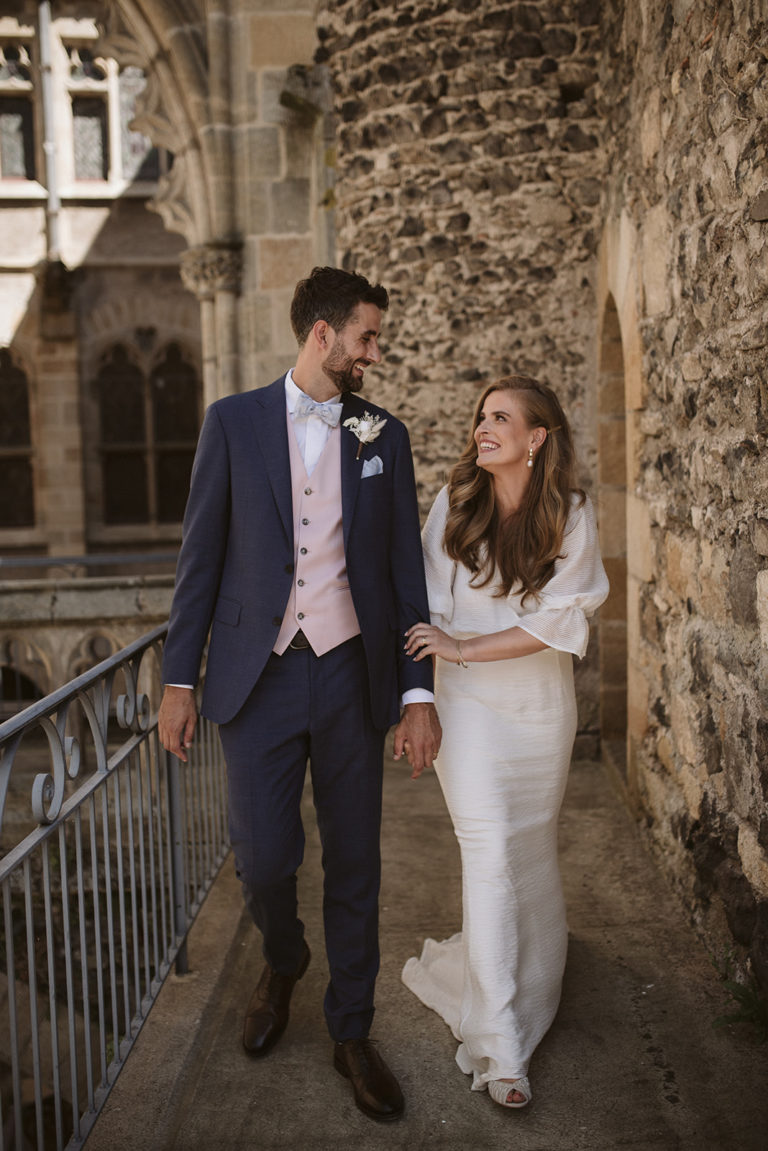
(351, 467)
(270, 422)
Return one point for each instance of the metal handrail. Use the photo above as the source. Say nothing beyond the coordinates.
(116, 845)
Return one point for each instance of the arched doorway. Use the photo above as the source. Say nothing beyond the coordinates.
(612, 500)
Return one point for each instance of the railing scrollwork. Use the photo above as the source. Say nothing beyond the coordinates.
(99, 892)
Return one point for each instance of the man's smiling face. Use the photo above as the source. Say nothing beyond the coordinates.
(354, 348)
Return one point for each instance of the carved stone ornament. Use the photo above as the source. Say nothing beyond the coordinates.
(172, 201)
(117, 39)
(211, 268)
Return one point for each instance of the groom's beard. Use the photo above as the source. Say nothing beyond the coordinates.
(338, 368)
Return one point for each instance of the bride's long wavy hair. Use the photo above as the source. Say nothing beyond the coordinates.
(519, 550)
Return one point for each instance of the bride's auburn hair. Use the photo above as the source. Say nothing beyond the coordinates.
(520, 550)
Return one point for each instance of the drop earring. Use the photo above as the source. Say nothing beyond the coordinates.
(530, 457)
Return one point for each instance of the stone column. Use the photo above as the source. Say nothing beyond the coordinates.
(213, 272)
(58, 434)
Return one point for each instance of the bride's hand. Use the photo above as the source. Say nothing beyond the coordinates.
(425, 639)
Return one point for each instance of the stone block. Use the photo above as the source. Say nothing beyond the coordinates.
(611, 383)
(655, 260)
(713, 583)
(613, 651)
(637, 702)
(612, 523)
(613, 714)
(282, 38)
(611, 448)
(692, 790)
(641, 553)
(650, 127)
(615, 607)
(289, 206)
(762, 605)
(634, 379)
(283, 262)
(258, 317)
(754, 860)
(264, 157)
(681, 562)
(692, 369)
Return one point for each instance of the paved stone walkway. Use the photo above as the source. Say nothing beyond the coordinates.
(632, 1059)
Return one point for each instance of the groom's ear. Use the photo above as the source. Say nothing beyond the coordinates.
(320, 334)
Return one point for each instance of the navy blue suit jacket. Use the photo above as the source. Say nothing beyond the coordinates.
(235, 567)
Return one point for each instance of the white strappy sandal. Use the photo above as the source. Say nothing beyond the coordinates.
(500, 1091)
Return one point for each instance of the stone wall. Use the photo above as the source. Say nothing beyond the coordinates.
(579, 191)
(468, 181)
(683, 101)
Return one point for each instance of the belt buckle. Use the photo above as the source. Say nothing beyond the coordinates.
(299, 641)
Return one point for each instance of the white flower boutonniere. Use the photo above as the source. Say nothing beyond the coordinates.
(366, 427)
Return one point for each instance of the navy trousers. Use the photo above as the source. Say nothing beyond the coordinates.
(307, 707)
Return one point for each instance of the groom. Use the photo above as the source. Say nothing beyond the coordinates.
(302, 556)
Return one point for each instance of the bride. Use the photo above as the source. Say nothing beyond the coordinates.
(513, 571)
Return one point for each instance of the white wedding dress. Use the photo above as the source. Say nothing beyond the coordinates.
(508, 731)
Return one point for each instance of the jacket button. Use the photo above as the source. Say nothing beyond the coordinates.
(289, 569)
(277, 620)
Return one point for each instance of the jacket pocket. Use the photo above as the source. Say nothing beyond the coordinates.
(227, 611)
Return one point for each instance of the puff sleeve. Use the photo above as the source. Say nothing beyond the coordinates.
(577, 588)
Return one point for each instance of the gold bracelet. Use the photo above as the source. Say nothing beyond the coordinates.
(459, 657)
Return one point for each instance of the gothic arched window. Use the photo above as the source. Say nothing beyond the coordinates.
(17, 504)
(148, 431)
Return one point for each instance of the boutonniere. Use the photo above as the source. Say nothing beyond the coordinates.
(366, 427)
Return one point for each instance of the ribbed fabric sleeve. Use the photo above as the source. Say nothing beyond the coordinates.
(439, 568)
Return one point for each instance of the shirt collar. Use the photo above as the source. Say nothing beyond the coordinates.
(293, 391)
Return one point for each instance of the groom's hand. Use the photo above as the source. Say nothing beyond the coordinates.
(418, 735)
(177, 719)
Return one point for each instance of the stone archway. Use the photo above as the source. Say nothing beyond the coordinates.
(625, 518)
(611, 501)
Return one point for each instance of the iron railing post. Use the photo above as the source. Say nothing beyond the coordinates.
(176, 810)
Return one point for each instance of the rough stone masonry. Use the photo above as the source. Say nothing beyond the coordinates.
(515, 170)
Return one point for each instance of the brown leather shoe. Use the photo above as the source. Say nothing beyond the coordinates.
(377, 1092)
(267, 1014)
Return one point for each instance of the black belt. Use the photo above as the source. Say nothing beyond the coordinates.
(299, 641)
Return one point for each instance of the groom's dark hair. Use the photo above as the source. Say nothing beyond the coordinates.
(331, 294)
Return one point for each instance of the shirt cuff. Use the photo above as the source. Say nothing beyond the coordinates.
(191, 686)
(417, 695)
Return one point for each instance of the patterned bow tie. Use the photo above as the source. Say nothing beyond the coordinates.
(328, 412)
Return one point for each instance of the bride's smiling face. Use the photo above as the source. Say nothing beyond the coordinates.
(502, 435)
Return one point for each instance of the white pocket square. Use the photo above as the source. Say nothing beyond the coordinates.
(372, 467)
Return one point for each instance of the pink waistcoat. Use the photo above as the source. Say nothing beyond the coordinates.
(320, 602)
